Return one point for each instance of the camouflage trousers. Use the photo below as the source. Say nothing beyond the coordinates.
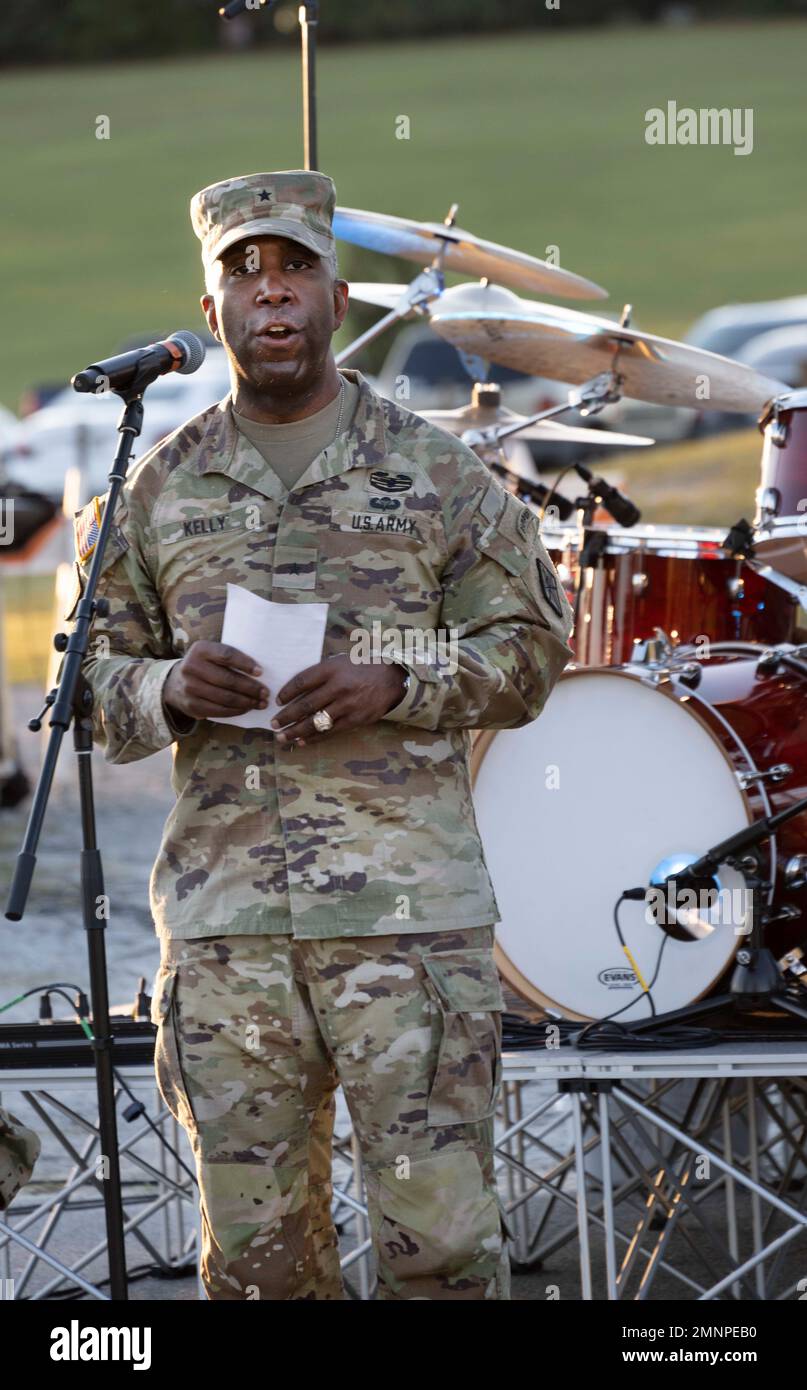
(255, 1033)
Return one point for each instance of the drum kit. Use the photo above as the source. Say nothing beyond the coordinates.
(611, 824)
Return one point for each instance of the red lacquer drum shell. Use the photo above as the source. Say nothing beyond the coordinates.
(679, 579)
(621, 773)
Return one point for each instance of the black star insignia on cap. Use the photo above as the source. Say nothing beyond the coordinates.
(265, 197)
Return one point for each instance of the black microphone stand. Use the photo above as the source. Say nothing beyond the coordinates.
(72, 699)
(756, 979)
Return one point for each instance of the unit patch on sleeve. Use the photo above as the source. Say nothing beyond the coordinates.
(549, 586)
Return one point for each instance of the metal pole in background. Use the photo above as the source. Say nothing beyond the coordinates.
(308, 15)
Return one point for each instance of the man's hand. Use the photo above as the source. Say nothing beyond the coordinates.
(214, 680)
(351, 694)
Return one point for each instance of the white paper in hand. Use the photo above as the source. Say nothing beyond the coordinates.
(284, 638)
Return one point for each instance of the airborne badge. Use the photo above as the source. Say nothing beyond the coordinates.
(86, 525)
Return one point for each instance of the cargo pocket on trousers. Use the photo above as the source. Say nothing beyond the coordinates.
(467, 995)
(167, 1062)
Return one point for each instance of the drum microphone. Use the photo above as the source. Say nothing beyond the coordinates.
(183, 352)
(624, 512)
(705, 867)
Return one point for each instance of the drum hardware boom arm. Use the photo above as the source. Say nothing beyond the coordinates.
(589, 399)
(425, 287)
(742, 839)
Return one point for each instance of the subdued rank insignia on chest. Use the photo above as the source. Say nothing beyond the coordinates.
(391, 482)
(86, 525)
(549, 587)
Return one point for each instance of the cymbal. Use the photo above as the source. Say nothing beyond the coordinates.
(566, 345)
(384, 295)
(464, 253)
(482, 417)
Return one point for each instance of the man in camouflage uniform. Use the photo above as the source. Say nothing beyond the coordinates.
(322, 901)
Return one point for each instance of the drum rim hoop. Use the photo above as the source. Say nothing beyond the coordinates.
(481, 746)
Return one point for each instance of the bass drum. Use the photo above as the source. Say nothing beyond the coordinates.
(624, 778)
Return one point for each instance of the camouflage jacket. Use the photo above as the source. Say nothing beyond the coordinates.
(402, 530)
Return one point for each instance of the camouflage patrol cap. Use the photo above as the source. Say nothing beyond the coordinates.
(294, 203)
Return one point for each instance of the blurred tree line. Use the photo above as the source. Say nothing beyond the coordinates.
(42, 31)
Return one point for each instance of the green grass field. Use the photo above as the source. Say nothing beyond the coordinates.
(540, 138)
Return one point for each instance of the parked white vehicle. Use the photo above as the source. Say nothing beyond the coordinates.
(81, 431)
(9, 435)
(781, 353)
(726, 330)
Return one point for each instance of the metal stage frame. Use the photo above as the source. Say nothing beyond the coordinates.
(655, 1136)
(630, 1157)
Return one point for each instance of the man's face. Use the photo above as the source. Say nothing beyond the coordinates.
(274, 307)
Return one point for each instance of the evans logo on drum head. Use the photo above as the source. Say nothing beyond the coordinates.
(618, 977)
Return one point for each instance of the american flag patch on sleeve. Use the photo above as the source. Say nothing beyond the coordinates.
(86, 525)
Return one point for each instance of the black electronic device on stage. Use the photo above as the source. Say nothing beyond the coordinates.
(65, 1044)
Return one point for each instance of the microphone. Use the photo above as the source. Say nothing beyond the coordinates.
(183, 352)
(624, 512)
(705, 867)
